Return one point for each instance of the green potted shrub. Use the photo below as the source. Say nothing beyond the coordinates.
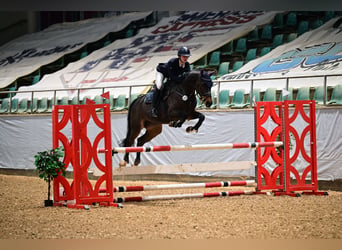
(48, 165)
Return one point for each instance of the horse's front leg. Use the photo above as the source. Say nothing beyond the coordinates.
(194, 129)
(178, 123)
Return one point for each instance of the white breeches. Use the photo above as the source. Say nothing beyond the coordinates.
(159, 79)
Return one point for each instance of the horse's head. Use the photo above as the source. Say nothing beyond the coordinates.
(204, 88)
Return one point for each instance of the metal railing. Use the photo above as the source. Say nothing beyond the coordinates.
(287, 84)
(217, 85)
(12, 94)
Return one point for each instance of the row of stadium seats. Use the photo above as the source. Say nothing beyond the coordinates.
(44, 105)
(285, 28)
(240, 99)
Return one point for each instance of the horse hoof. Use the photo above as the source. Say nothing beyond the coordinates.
(172, 124)
(191, 130)
(122, 163)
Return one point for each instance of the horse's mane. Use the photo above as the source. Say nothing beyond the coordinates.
(189, 78)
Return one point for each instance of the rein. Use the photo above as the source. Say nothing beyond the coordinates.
(185, 97)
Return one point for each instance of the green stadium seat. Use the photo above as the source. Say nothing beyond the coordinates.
(4, 106)
(11, 88)
(120, 103)
(129, 33)
(291, 37)
(64, 100)
(223, 69)
(291, 19)
(23, 105)
(277, 40)
(237, 65)
(213, 97)
(319, 95)
(84, 100)
(35, 79)
(98, 99)
(51, 104)
(14, 105)
(43, 105)
(238, 99)
(106, 43)
(265, 50)
(303, 27)
(270, 95)
(33, 105)
(251, 55)
(224, 98)
(227, 49)
(241, 45)
(336, 95)
(266, 33)
(278, 21)
(83, 54)
(133, 97)
(253, 36)
(317, 23)
(328, 15)
(255, 96)
(303, 93)
(214, 60)
(110, 101)
(201, 63)
(74, 100)
(199, 103)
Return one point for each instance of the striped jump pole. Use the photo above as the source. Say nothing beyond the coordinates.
(181, 196)
(180, 186)
(192, 147)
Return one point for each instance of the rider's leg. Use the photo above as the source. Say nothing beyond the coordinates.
(157, 94)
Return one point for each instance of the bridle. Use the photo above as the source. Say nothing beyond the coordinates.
(207, 94)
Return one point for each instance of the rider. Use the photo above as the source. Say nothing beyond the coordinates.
(173, 70)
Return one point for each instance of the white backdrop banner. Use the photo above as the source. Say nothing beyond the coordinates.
(23, 136)
(132, 61)
(28, 53)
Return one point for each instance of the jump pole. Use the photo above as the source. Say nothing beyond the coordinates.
(180, 186)
(192, 147)
(181, 196)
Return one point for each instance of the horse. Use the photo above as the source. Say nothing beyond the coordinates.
(177, 106)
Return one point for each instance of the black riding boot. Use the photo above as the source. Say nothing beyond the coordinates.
(155, 102)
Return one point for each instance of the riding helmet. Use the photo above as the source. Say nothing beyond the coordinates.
(184, 51)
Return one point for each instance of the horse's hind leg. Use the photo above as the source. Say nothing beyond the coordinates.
(128, 142)
(150, 133)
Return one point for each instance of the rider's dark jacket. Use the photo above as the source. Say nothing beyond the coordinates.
(172, 70)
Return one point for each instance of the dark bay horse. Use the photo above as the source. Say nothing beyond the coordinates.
(177, 106)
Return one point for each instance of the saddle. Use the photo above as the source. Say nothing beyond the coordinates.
(165, 91)
(149, 97)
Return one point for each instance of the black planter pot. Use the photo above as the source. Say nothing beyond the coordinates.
(48, 203)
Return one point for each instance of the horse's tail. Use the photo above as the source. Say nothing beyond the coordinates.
(124, 142)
